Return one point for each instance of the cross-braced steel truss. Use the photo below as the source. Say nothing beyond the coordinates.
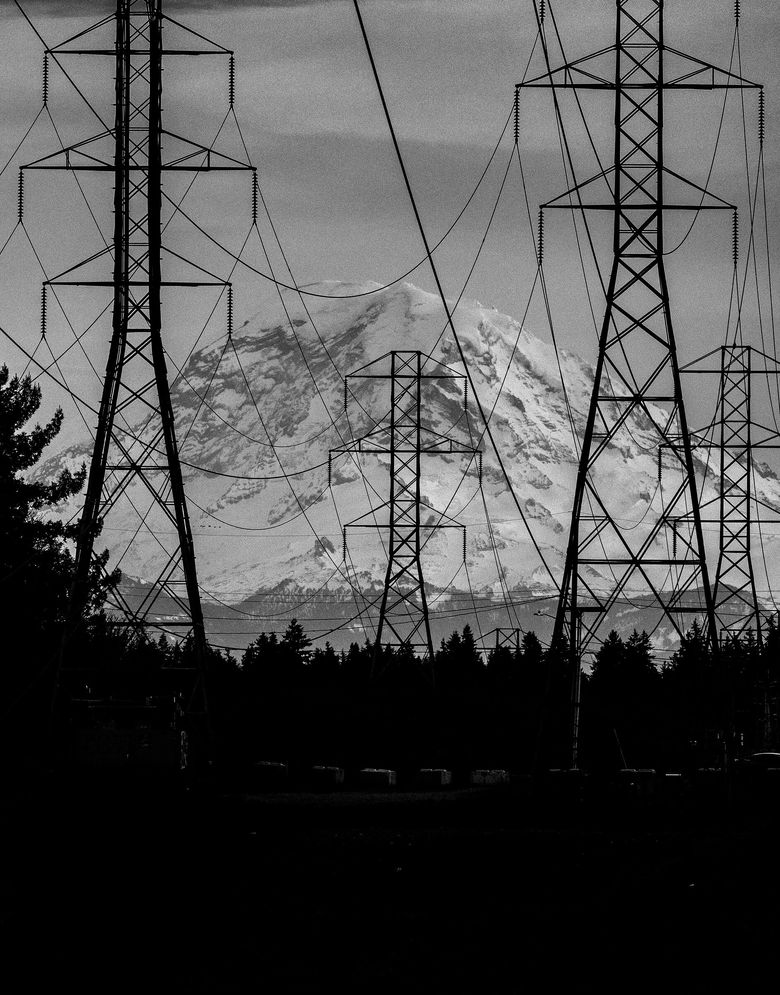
(637, 375)
(135, 438)
(738, 609)
(403, 614)
(734, 577)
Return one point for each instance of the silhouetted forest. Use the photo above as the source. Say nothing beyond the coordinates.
(284, 699)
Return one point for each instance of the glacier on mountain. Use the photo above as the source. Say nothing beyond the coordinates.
(256, 418)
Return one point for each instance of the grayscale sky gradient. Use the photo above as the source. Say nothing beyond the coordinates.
(312, 120)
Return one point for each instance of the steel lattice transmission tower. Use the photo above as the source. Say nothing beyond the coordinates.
(135, 437)
(637, 372)
(734, 576)
(403, 614)
(736, 604)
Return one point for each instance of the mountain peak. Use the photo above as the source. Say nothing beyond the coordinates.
(256, 423)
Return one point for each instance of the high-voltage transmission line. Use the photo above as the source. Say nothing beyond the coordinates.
(135, 437)
(401, 435)
(637, 373)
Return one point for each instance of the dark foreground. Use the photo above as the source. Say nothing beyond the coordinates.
(472, 890)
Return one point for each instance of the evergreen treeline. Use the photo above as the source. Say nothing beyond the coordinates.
(284, 699)
(687, 713)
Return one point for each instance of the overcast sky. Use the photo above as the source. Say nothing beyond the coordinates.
(313, 122)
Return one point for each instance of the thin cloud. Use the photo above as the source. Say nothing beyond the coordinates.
(80, 8)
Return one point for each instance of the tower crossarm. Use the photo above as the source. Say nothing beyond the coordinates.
(378, 442)
(682, 71)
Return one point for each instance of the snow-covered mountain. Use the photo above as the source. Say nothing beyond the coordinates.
(264, 517)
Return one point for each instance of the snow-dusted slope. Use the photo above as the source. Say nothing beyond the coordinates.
(257, 530)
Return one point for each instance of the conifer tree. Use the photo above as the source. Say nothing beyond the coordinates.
(36, 563)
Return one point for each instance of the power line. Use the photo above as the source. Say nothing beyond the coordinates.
(440, 290)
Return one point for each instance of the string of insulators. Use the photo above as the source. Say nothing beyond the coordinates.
(735, 237)
(541, 235)
(479, 468)
(21, 196)
(45, 81)
(345, 393)
(464, 545)
(344, 545)
(737, 9)
(761, 116)
(465, 395)
(44, 304)
(330, 469)
(254, 196)
(674, 543)
(517, 115)
(230, 312)
(543, 10)
(660, 465)
(231, 81)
